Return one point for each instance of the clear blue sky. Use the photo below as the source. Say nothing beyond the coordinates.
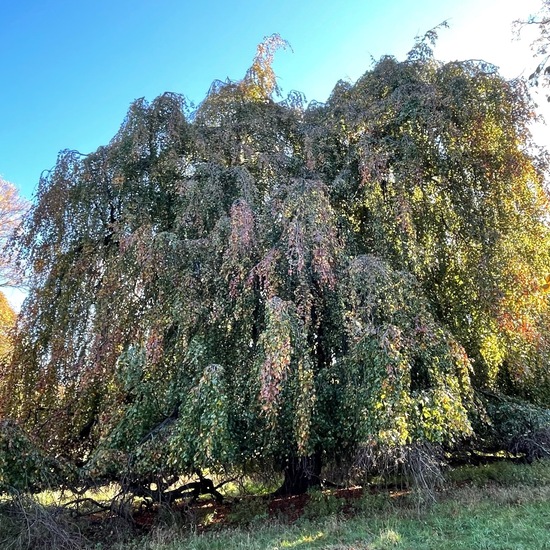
(70, 69)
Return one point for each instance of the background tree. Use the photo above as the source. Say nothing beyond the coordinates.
(541, 21)
(264, 285)
(12, 209)
(7, 323)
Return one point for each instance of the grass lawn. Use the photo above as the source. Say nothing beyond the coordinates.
(481, 518)
(499, 506)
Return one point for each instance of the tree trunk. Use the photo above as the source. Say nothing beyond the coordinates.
(301, 474)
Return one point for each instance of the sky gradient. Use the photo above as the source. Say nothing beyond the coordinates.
(69, 70)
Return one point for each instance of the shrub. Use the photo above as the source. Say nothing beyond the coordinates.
(322, 504)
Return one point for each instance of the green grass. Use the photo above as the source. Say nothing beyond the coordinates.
(499, 506)
(451, 525)
(503, 473)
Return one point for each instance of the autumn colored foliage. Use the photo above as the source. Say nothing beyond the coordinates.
(261, 283)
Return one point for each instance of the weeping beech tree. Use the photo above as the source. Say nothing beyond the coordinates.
(261, 283)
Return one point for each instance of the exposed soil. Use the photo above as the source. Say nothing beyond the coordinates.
(208, 514)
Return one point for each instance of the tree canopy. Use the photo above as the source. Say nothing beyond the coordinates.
(262, 283)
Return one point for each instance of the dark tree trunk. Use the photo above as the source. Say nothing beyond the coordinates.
(300, 475)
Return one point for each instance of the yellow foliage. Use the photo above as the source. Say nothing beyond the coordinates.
(7, 322)
(260, 81)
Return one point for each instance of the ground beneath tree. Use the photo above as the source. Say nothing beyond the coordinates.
(207, 514)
